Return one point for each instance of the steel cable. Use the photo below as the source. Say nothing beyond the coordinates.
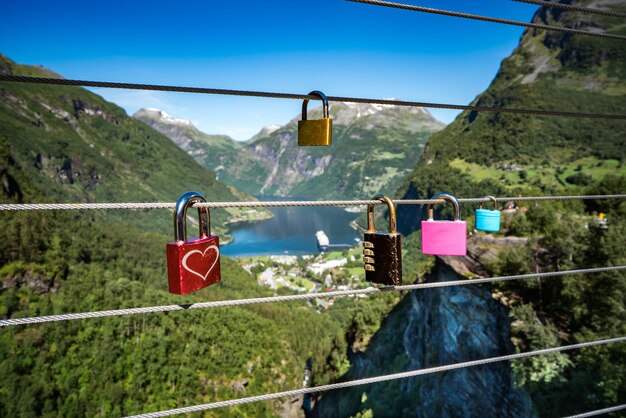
(249, 93)
(491, 19)
(287, 203)
(599, 412)
(291, 298)
(377, 379)
(572, 8)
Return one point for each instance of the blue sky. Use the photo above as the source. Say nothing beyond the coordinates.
(341, 48)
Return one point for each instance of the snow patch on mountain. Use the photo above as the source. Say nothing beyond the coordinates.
(265, 131)
(163, 117)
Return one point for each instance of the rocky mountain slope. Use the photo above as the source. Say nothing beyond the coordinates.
(511, 153)
(374, 147)
(227, 158)
(427, 329)
(66, 144)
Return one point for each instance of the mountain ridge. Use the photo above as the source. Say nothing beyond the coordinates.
(379, 141)
(501, 153)
(514, 155)
(81, 148)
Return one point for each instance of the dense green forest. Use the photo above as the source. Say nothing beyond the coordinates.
(567, 310)
(62, 263)
(514, 155)
(65, 144)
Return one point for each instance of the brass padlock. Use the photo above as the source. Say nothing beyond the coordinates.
(382, 251)
(315, 132)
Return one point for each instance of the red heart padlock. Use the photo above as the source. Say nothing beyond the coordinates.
(193, 264)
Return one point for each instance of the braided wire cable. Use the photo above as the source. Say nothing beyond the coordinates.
(82, 206)
(377, 379)
(250, 93)
(572, 8)
(599, 412)
(491, 19)
(288, 203)
(291, 298)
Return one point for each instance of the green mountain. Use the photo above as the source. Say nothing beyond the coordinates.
(80, 148)
(509, 154)
(374, 147)
(119, 366)
(514, 153)
(224, 156)
(65, 144)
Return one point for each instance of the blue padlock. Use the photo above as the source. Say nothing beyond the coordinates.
(488, 220)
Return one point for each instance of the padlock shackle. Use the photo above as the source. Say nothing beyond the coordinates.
(448, 198)
(493, 199)
(393, 227)
(323, 98)
(184, 202)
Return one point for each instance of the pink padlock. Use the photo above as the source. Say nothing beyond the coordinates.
(444, 237)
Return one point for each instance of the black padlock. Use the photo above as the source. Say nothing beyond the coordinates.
(382, 251)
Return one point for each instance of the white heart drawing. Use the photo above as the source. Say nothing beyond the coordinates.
(202, 253)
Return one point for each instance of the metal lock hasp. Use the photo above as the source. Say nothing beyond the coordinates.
(317, 132)
(444, 237)
(488, 220)
(382, 251)
(193, 264)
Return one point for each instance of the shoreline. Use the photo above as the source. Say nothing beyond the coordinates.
(246, 223)
(235, 222)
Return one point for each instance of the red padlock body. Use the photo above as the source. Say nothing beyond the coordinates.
(192, 265)
(444, 237)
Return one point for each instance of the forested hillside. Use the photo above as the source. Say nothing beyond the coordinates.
(65, 144)
(502, 153)
(433, 327)
(119, 366)
(511, 155)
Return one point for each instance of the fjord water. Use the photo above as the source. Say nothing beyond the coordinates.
(291, 231)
